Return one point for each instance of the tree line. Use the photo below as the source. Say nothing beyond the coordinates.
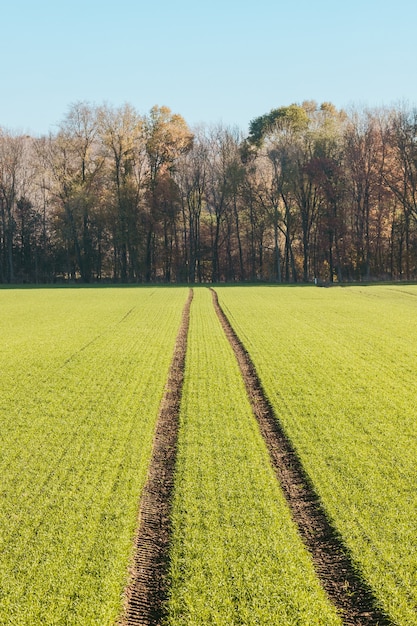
(311, 193)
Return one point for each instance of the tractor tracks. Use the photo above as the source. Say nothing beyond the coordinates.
(146, 595)
(147, 591)
(334, 567)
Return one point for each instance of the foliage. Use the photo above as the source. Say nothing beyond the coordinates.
(311, 192)
(293, 118)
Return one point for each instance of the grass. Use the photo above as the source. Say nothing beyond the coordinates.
(339, 367)
(236, 557)
(82, 373)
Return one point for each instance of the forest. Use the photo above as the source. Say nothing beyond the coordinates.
(311, 194)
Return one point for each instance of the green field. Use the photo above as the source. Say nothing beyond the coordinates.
(236, 556)
(83, 373)
(82, 376)
(339, 366)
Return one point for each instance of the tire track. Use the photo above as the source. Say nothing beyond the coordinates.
(333, 564)
(147, 591)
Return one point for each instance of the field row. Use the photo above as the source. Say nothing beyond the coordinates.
(236, 555)
(83, 374)
(338, 366)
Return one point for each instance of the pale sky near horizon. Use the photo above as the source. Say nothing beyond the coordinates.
(214, 62)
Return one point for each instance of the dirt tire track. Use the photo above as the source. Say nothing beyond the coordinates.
(146, 594)
(349, 593)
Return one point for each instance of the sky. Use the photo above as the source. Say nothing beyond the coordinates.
(213, 62)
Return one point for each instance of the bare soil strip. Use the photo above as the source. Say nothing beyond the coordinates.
(334, 567)
(147, 591)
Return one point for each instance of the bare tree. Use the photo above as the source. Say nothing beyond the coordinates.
(400, 175)
(222, 182)
(122, 136)
(167, 137)
(191, 177)
(74, 162)
(11, 162)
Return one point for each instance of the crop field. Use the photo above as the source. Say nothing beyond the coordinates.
(82, 375)
(339, 367)
(236, 556)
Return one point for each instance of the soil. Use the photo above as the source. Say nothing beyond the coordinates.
(147, 592)
(333, 564)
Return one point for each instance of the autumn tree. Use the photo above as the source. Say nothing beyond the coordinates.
(224, 176)
(191, 178)
(325, 171)
(256, 223)
(122, 136)
(364, 162)
(167, 137)
(401, 178)
(74, 162)
(11, 162)
(277, 137)
(114, 194)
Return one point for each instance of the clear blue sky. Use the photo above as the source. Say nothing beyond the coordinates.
(215, 61)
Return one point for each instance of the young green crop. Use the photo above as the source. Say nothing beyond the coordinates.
(339, 368)
(83, 373)
(236, 557)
